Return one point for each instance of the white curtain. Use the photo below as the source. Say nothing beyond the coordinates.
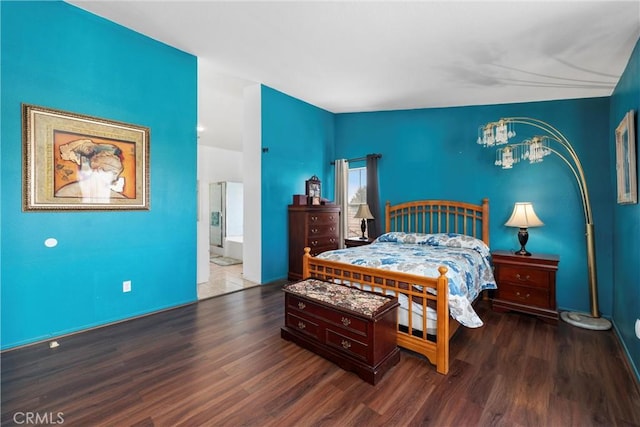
(341, 193)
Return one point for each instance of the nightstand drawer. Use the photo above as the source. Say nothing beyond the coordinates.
(524, 295)
(523, 276)
(526, 284)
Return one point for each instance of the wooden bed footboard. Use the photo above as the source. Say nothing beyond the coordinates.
(414, 335)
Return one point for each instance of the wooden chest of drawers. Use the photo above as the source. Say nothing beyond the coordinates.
(526, 284)
(354, 329)
(312, 226)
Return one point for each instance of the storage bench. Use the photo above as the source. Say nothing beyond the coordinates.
(354, 329)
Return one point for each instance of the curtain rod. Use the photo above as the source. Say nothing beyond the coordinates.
(357, 159)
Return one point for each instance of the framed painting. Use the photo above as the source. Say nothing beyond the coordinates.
(77, 162)
(626, 175)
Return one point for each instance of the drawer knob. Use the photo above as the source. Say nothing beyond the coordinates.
(314, 243)
(301, 325)
(523, 297)
(346, 344)
(314, 230)
(314, 218)
(346, 321)
(301, 306)
(524, 279)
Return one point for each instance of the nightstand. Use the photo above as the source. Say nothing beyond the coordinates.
(526, 284)
(356, 241)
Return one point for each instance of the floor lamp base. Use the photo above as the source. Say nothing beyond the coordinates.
(586, 321)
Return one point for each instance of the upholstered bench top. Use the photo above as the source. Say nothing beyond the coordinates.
(356, 300)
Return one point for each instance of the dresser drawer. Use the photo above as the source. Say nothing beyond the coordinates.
(524, 295)
(316, 227)
(523, 276)
(319, 218)
(347, 344)
(322, 245)
(317, 230)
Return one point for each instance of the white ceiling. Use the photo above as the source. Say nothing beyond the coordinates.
(349, 56)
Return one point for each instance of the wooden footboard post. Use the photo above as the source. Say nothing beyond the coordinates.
(305, 263)
(442, 337)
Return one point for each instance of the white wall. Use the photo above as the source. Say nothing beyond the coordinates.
(252, 146)
(235, 209)
(214, 165)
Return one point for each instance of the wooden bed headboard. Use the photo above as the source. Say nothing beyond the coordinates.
(439, 216)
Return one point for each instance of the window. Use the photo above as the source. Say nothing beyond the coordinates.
(357, 195)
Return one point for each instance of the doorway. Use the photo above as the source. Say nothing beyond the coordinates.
(225, 219)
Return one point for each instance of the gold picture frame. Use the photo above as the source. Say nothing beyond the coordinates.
(77, 162)
(626, 160)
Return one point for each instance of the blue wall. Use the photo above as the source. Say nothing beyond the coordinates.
(56, 55)
(299, 138)
(432, 154)
(626, 224)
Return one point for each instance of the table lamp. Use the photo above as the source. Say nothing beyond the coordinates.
(364, 213)
(523, 217)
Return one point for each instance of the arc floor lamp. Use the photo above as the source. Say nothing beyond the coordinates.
(497, 134)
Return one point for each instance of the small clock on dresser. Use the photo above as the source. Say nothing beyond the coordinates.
(313, 190)
(526, 284)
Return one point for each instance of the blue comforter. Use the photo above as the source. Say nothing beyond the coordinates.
(468, 260)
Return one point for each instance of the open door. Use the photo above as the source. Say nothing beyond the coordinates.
(216, 209)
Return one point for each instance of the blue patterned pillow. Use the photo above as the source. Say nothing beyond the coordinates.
(452, 240)
(402, 237)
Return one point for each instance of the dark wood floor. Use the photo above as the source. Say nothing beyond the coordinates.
(221, 362)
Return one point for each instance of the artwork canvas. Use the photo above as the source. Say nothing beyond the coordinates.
(626, 160)
(78, 162)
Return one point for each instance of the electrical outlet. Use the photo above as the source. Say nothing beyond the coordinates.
(638, 328)
(126, 286)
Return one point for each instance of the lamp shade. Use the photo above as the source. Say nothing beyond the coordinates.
(523, 216)
(363, 212)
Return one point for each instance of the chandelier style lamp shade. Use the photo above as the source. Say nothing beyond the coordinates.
(535, 149)
(523, 217)
(364, 213)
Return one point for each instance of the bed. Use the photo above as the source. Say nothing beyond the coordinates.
(429, 286)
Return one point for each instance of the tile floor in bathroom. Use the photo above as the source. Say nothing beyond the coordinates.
(223, 280)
